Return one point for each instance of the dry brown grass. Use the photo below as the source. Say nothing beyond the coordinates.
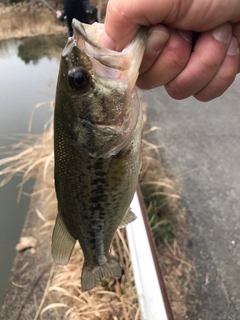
(111, 300)
(33, 157)
(23, 20)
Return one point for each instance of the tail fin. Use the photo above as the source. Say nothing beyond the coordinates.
(91, 277)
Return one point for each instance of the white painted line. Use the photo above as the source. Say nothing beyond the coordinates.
(145, 275)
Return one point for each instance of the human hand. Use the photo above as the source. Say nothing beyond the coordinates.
(58, 14)
(207, 71)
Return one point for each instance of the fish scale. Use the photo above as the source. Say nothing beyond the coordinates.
(97, 137)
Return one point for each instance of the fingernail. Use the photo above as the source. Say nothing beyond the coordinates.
(156, 40)
(186, 35)
(223, 33)
(106, 41)
(233, 47)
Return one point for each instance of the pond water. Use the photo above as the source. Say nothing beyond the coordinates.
(28, 75)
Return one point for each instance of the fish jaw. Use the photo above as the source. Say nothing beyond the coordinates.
(102, 118)
(127, 62)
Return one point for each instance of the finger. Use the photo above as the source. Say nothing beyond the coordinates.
(171, 61)
(204, 63)
(225, 75)
(157, 38)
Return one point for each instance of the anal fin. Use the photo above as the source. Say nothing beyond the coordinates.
(62, 242)
(129, 217)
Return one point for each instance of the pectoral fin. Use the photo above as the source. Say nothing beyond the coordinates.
(129, 217)
(62, 242)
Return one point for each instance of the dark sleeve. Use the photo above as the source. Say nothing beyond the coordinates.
(66, 4)
(88, 6)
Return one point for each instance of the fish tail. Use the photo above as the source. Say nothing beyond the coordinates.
(91, 277)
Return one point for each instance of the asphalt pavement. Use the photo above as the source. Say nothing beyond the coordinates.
(202, 150)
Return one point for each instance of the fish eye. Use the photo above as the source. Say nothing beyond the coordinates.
(79, 79)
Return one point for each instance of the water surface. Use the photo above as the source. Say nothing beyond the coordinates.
(28, 75)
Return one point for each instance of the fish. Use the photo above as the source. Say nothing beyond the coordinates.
(97, 141)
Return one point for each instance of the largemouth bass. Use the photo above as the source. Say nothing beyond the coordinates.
(97, 137)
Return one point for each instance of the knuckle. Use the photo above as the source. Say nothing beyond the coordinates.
(209, 62)
(176, 91)
(177, 60)
(225, 79)
(215, 88)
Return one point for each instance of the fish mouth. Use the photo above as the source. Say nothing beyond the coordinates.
(102, 138)
(125, 63)
(87, 39)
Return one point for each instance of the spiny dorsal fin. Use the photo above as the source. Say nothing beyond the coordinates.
(91, 277)
(62, 242)
(129, 217)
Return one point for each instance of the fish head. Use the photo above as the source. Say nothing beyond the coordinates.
(95, 92)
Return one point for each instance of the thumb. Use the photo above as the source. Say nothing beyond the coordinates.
(119, 28)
